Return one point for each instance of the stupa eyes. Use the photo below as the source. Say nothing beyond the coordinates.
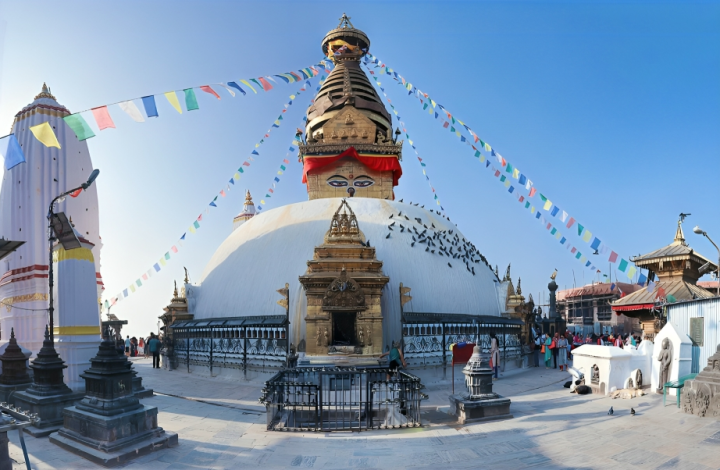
(363, 181)
(337, 181)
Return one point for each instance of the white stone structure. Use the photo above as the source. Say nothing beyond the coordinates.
(614, 365)
(681, 349)
(77, 323)
(25, 195)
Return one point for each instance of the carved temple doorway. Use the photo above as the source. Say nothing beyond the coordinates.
(343, 284)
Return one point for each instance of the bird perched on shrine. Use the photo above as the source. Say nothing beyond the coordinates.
(400, 200)
(610, 412)
(552, 276)
(391, 216)
(632, 411)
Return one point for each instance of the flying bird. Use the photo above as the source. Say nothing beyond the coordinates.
(610, 412)
(552, 276)
(388, 236)
(450, 265)
(632, 411)
(682, 216)
(400, 200)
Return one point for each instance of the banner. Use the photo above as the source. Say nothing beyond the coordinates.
(483, 149)
(196, 224)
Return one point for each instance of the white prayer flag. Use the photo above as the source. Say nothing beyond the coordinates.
(228, 88)
(132, 110)
(564, 216)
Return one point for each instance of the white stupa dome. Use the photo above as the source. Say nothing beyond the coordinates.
(273, 248)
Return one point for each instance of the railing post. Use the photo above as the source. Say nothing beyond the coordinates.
(444, 347)
(187, 341)
(212, 343)
(245, 352)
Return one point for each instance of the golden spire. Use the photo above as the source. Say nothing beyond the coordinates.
(45, 93)
(679, 235)
(175, 292)
(248, 198)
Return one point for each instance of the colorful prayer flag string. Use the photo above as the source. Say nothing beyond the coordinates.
(192, 228)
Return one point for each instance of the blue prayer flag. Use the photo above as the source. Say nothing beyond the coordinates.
(183, 237)
(11, 151)
(125, 292)
(292, 149)
(275, 125)
(149, 104)
(213, 204)
(522, 179)
(555, 210)
(642, 279)
(254, 152)
(563, 240)
(232, 180)
(612, 287)
(235, 85)
(511, 189)
(157, 267)
(287, 80)
(587, 264)
(537, 215)
(462, 138)
(277, 179)
(595, 244)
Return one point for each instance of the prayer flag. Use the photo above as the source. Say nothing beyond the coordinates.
(11, 151)
(125, 292)
(102, 117)
(516, 173)
(580, 229)
(548, 205)
(167, 255)
(631, 272)
(248, 84)
(173, 100)
(44, 133)
(564, 216)
(570, 222)
(623, 265)
(213, 204)
(595, 243)
(277, 179)
(192, 229)
(553, 231)
(509, 168)
(144, 277)
(554, 211)
(157, 267)
(150, 106)
(642, 279)
(163, 262)
(191, 100)
(563, 240)
(235, 85)
(174, 249)
(265, 84)
(522, 180)
(196, 224)
(578, 255)
(232, 93)
(613, 257)
(132, 110)
(651, 286)
(79, 126)
(532, 192)
(587, 236)
(573, 250)
(208, 89)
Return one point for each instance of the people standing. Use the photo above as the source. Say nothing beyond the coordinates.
(548, 351)
(154, 346)
(494, 353)
(562, 343)
(569, 347)
(536, 351)
(127, 345)
(396, 358)
(554, 347)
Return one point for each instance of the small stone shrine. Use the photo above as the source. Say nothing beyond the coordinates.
(110, 426)
(481, 404)
(48, 395)
(701, 396)
(14, 376)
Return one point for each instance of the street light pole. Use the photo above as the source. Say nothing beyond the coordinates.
(700, 231)
(51, 239)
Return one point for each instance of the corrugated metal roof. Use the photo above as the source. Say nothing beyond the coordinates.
(681, 290)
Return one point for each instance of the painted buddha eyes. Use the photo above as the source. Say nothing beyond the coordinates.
(338, 181)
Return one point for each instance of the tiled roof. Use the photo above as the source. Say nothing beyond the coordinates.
(681, 290)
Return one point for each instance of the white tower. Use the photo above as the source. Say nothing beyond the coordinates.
(25, 195)
(247, 213)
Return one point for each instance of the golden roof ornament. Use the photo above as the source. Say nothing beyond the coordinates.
(679, 235)
(344, 224)
(248, 198)
(45, 93)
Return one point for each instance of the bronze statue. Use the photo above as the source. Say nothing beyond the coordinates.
(326, 342)
(369, 336)
(318, 341)
(665, 358)
(360, 336)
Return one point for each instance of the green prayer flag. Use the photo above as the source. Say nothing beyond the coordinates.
(425, 106)
(79, 126)
(623, 265)
(477, 153)
(509, 168)
(502, 178)
(280, 118)
(190, 99)
(580, 229)
(139, 283)
(453, 120)
(241, 170)
(578, 255)
(167, 255)
(553, 231)
(282, 167)
(527, 205)
(196, 224)
(452, 129)
(543, 197)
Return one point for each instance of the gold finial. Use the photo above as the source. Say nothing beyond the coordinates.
(679, 235)
(175, 292)
(45, 93)
(186, 275)
(518, 290)
(345, 22)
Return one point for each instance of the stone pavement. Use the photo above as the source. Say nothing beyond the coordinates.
(221, 425)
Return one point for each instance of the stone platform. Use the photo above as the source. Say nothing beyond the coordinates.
(476, 411)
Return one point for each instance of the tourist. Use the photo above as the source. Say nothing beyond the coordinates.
(547, 351)
(147, 341)
(127, 345)
(154, 346)
(536, 352)
(494, 354)
(561, 343)
(396, 357)
(141, 346)
(633, 341)
(554, 347)
(568, 347)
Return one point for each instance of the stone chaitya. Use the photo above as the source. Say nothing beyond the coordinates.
(343, 284)
(109, 425)
(14, 375)
(701, 396)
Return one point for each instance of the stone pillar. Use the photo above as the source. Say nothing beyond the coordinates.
(110, 426)
(552, 287)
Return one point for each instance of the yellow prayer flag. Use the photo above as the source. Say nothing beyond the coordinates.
(292, 97)
(548, 205)
(173, 99)
(433, 103)
(424, 172)
(507, 183)
(257, 145)
(411, 142)
(631, 271)
(279, 172)
(583, 259)
(461, 123)
(487, 147)
(237, 176)
(44, 133)
(532, 209)
(457, 133)
(248, 84)
(586, 236)
(558, 235)
(516, 173)
(262, 201)
(438, 202)
(482, 158)
(162, 261)
(132, 287)
(192, 229)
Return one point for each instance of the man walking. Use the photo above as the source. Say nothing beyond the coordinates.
(154, 346)
(127, 346)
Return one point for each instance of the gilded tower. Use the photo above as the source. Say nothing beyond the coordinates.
(349, 149)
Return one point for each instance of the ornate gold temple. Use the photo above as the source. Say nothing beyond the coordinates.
(343, 284)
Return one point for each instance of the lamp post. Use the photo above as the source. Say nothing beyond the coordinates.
(700, 231)
(55, 225)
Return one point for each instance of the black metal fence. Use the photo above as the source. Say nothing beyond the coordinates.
(341, 399)
(235, 343)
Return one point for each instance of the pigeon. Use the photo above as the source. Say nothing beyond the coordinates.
(427, 248)
(392, 224)
(412, 244)
(388, 236)
(367, 243)
(611, 411)
(632, 411)
(450, 265)
(402, 229)
(416, 204)
(473, 270)
(413, 237)
(440, 253)
(400, 200)
(391, 216)
(432, 251)
(425, 226)
(399, 213)
(390, 227)
(422, 207)
(406, 217)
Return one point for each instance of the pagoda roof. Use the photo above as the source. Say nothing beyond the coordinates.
(603, 288)
(645, 300)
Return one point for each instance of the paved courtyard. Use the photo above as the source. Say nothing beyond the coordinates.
(221, 425)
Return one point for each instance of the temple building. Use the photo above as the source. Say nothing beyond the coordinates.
(352, 269)
(27, 190)
(677, 269)
(588, 310)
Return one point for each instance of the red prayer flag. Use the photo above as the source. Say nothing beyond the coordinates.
(573, 250)
(521, 199)
(549, 225)
(298, 76)
(246, 164)
(266, 85)
(207, 89)
(613, 257)
(446, 124)
(76, 193)
(270, 189)
(532, 192)
(222, 192)
(200, 218)
(497, 173)
(174, 249)
(285, 160)
(102, 117)
(570, 224)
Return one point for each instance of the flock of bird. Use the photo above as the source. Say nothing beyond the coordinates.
(445, 243)
(612, 412)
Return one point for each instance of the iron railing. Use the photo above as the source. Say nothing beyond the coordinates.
(341, 399)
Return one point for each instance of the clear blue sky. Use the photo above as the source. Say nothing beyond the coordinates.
(612, 109)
